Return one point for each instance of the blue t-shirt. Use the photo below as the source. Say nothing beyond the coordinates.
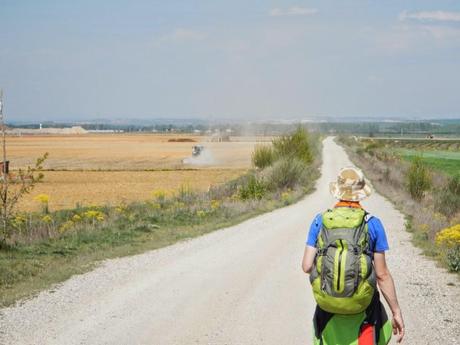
(377, 237)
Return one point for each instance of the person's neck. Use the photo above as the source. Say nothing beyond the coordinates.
(346, 203)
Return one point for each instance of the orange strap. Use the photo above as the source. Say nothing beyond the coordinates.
(344, 203)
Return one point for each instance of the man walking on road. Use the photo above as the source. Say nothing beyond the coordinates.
(345, 257)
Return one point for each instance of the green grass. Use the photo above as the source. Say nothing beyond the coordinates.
(27, 269)
(420, 239)
(446, 161)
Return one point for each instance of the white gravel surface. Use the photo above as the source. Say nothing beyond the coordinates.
(240, 285)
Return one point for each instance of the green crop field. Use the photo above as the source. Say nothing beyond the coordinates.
(422, 144)
(439, 154)
(446, 161)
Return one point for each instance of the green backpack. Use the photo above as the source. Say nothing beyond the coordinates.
(343, 277)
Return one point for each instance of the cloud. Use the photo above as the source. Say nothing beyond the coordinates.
(183, 35)
(432, 16)
(292, 11)
(413, 39)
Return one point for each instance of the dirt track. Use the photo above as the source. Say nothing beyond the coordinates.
(241, 285)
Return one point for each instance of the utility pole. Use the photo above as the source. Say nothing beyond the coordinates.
(4, 190)
(2, 122)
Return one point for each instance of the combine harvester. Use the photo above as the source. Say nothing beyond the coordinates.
(197, 150)
(201, 156)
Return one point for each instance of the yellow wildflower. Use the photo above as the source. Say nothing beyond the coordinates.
(215, 204)
(159, 194)
(20, 219)
(42, 198)
(285, 196)
(47, 219)
(200, 213)
(449, 236)
(76, 218)
(93, 215)
(66, 226)
(121, 209)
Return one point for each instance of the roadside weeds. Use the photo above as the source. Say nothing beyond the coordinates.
(427, 219)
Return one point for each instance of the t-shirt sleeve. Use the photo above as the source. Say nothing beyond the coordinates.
(314, 231)
(378, 237)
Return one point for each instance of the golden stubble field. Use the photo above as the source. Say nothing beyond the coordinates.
(114, 168)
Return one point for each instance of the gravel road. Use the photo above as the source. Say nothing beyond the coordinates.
(239, 285)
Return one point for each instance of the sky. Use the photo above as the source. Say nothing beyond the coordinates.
(251, 60)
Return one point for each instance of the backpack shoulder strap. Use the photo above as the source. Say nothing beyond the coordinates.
(359, 232)
(367, 216)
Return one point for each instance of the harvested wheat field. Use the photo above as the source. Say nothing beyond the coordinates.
(113, 168)
(126, 151)
(66, 189)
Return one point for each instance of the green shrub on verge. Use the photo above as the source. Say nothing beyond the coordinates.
(371, 147)
(418, 179)
(447, 200)
(287, 173)
(453, 259)
(253, 188)
(263, 156)
(294, 146)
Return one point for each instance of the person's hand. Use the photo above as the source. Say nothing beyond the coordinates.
(398, 326)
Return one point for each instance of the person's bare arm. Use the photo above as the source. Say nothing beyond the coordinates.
(387, 286)
(308, 258)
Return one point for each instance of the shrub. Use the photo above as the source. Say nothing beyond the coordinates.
(447, 201)
(296, 145)
(453, 259)
(449, 239)
(360, 151)
(13, 188)
(418, 179)
(253, 189)
(372, 147)
(262, 156)
(454, 185)
(159, 196)
(286, 197)
(287, 173)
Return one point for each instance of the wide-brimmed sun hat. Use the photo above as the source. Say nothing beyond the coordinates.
(350, 186)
